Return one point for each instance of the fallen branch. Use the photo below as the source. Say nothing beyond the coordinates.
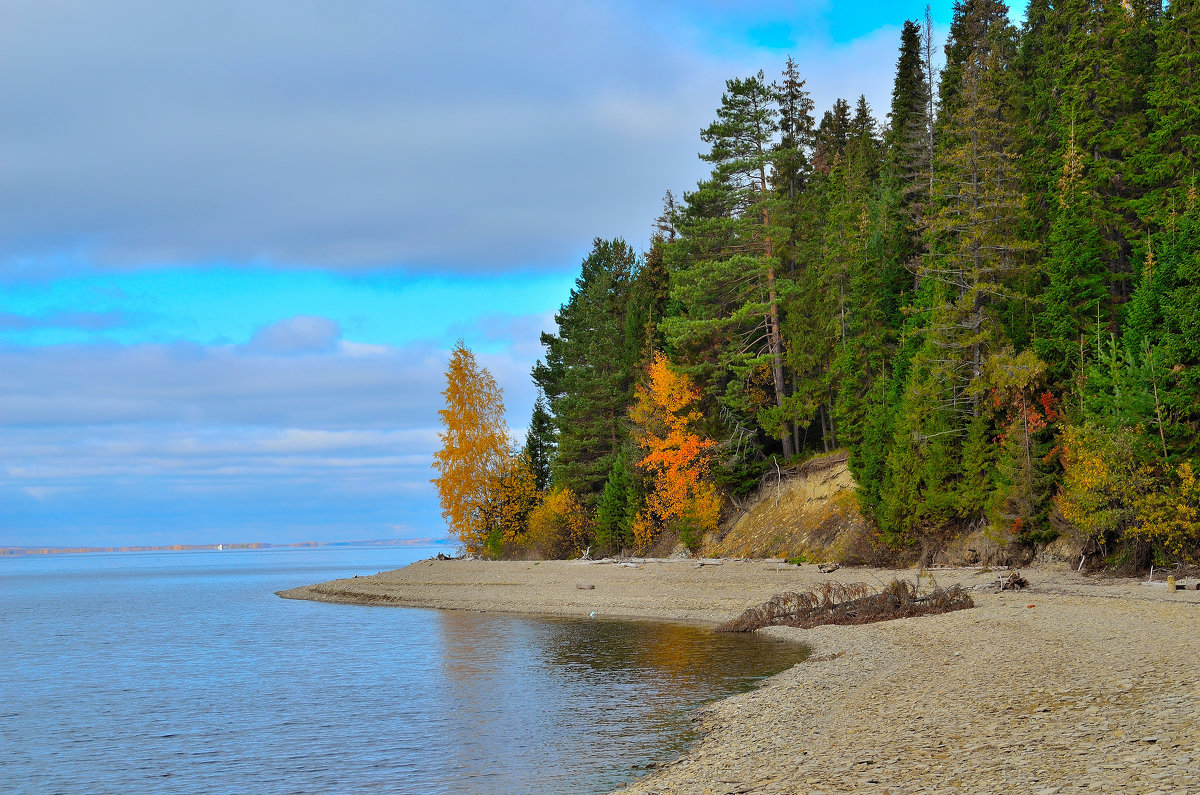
(852, 603)
(1013, 581)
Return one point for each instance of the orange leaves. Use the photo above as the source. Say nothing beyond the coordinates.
(682, 498)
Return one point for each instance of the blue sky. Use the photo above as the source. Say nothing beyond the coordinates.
(238, 239)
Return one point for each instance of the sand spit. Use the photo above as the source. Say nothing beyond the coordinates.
(1073, 685)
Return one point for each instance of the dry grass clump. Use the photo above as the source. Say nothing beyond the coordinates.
(848, 603)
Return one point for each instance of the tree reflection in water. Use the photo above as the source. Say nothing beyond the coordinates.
(565, 705)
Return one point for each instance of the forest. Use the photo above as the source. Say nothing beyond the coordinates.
(988, 294)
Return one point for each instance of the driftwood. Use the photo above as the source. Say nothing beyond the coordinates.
(585, 586)
(709, 562)
(827, 568)
(848, 603)
(1013, 581)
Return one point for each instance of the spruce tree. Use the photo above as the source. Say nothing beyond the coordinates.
(539, 444)
(585, 378)
(1163, 317)
(1170, 160)
(1075, 296)
(616, 509)
(832, 134)
(972, 243)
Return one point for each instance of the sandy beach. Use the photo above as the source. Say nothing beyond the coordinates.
(1076, 684)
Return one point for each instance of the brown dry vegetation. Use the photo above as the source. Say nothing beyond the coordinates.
(848, 603)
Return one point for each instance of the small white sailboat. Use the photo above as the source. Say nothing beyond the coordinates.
(220, 547)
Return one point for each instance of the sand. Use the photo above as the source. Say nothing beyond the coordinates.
(1077, 684)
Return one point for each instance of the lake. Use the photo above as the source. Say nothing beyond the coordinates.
(182, 672)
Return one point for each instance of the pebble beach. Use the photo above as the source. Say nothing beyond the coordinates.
(1074, 684)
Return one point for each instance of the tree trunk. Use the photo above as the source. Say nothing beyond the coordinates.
(775, 339)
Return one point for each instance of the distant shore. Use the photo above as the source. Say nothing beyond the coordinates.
(1073, 685)
(224, 546)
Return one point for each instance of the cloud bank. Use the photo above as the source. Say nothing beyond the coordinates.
(419, 135)
(296, 436)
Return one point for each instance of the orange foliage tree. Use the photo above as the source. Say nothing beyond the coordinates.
(486, 491)
(682, 498)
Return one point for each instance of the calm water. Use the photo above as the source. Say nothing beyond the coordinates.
(183, 672)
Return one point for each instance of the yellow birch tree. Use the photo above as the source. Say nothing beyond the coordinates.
(475, 448)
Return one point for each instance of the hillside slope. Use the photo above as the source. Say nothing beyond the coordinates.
(809, 510)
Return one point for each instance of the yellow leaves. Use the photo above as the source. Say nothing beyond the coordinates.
(475, 448)
(682, 498)
(558, 527)
(1170, 514)
(1105, 492)
(511, 494)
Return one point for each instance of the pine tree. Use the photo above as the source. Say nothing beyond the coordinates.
(585, 377)
(726, 278)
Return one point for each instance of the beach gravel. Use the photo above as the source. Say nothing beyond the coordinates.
(1076, 684)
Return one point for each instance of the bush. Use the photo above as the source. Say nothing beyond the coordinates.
(558, 527)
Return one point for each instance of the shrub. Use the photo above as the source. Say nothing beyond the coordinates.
(558, 527)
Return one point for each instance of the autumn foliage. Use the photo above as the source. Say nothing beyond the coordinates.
(682, 498)
(559, 527)
(485, 489)
(1108, 495)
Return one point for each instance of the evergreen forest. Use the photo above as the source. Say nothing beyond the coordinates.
(987, 294)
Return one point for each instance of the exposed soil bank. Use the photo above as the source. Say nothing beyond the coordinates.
(1091, 689)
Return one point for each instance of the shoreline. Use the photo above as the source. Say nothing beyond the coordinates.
(1089, 690)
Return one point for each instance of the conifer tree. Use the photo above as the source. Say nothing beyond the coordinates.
(1171, 159)
(791, 161)
(832, 134)
(585, 377)
(539, 444)
(1164, 319)
(973, 248)
(1075, 296)
(726, 279)
(616, 509)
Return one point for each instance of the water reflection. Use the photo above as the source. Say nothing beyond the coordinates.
(197, 678)
(585, 701)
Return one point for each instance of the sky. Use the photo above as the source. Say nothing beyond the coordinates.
(238, 239)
